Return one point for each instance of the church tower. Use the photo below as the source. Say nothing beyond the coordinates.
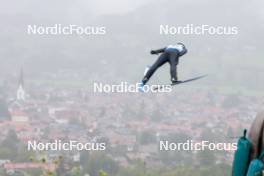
(20, 91)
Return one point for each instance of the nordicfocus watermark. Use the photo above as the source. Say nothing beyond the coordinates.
(204, 29)
(59, 145)
(59, 29)
(125, 87)
(191, 145)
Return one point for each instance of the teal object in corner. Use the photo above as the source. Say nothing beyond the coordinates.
(241, 158)
(256, 166)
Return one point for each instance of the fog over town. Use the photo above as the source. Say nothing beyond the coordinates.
(46, 85)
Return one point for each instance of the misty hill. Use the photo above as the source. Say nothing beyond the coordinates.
(131, 35)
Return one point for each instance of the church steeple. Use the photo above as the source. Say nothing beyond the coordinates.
(20, 90)
(21, 78)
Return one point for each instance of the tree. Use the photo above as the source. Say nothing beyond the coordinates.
(4, 113)
(99, 161)
(102, 173)
(9, 146)
(147, 137)
(75, 171)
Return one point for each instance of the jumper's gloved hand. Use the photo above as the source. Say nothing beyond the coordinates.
(157, 51)
(153, 52)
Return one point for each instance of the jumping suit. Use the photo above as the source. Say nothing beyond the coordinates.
(170, 54)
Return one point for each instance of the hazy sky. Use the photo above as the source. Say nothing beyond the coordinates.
(97, 7)
(116, 6)
(133, 29)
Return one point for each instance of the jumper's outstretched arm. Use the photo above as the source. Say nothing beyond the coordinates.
(157, 51)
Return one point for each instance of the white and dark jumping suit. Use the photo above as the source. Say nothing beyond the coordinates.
(170, 54)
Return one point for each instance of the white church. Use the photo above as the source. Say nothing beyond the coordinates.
(21, 94)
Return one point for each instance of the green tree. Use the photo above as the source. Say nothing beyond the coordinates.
(147, 137)
(99, 161)
(9, 146)
(102, 173)
(4, 113)
(75, 171)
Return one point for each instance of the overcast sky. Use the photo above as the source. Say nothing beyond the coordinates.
(133, 29)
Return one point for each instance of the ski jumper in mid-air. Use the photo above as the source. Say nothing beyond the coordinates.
(170, 54)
